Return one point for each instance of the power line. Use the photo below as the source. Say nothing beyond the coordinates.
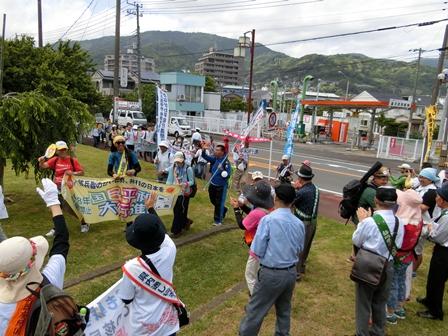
(421, 24)
(88, 6)
(225, 8)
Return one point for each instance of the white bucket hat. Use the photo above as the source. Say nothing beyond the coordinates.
(20, 262)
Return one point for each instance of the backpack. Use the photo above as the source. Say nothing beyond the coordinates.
(55, 313)
(352, 191)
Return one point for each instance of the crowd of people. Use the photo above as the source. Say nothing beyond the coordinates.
(396, 216)
(395, 220)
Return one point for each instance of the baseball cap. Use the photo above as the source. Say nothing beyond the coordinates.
(285, 157)
(61, 145)
(382, 172)
(257, 175)
(404, 166)
(179, 157)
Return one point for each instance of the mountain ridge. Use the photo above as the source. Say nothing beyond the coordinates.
(176, 51)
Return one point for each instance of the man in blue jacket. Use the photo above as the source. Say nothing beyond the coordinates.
(217, 190)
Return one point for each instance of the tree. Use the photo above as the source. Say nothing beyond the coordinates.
(52, 93)
(149, 100)
(233, 105)
(210, 84)
(30, 121)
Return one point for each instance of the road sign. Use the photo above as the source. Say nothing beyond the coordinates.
(123, 77)
(400, 103)
(272, 119)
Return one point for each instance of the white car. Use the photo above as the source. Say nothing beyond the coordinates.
(179, 126)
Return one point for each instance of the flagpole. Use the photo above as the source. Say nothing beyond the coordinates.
(270, 159)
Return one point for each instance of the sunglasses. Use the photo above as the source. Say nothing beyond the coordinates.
(120, 142)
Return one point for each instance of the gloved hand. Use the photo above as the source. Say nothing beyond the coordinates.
(50, 192)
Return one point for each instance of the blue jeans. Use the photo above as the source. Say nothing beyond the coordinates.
(397, 292)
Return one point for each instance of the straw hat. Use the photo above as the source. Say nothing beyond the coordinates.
(20, 262)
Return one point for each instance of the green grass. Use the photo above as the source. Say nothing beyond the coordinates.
(323, 303)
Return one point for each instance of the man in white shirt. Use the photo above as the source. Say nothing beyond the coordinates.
(371, 302)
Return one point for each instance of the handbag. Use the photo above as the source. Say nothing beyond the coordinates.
(182, 313)
(369, 267)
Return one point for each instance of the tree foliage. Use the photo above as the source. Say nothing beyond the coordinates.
(233, 105)
(30, 121)
(210, 84)
(49, 92)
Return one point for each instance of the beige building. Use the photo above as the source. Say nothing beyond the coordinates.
(129, 60)
(224, 68)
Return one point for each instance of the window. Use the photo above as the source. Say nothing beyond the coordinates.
(364, 122)
(167, 87)
(192, 94)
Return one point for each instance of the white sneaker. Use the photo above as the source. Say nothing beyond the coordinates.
(85, 228)
(50, 233)
(217, 224)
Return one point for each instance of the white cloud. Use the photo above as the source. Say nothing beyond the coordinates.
(272, 24)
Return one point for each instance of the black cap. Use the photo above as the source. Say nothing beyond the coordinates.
(146, 233)
(286, 193)
(386, 195)
(305, 172)
(443, 191)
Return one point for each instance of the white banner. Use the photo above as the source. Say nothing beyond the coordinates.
(162, 115)
(253, 121)
(107, 314)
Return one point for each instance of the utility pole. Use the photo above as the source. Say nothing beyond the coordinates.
(117, 56)
(39, 23)
(414, 92)
(435, 89)
(2, 56)
(252, 53)
(136, 12)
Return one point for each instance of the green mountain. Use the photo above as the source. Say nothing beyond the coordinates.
(173, 51)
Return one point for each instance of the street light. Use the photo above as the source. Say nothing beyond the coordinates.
(240, 51)
(348, 83)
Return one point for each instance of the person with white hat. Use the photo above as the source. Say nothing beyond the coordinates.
(21, 262)
(285, 170)
(62, 163)
(180, 173)
(196, 138)
(163, 161)
(151, 312)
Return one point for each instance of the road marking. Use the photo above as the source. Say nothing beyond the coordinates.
(330, 191)
(254, 163)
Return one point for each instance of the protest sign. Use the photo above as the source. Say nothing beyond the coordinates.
(162, 115)
(98, 199)
(107, 314)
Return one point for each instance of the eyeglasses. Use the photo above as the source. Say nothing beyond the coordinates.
(120, 142)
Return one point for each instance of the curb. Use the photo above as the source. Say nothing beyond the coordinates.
(179, 243)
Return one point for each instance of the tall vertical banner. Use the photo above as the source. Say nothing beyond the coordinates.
(289, 144)
(162, 115)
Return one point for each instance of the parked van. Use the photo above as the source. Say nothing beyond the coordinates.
(179, 126)
(128, 112)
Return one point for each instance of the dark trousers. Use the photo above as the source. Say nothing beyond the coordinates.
(371, 302)
(274, 287)
(96, 141)
(217, 195)
(180, 214)
(437, 276)
(310, 231)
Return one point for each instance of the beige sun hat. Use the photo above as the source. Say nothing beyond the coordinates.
(20, 262)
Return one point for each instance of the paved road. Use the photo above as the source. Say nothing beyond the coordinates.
(333, 166)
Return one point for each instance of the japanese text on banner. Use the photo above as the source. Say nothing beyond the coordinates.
(99, 200)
